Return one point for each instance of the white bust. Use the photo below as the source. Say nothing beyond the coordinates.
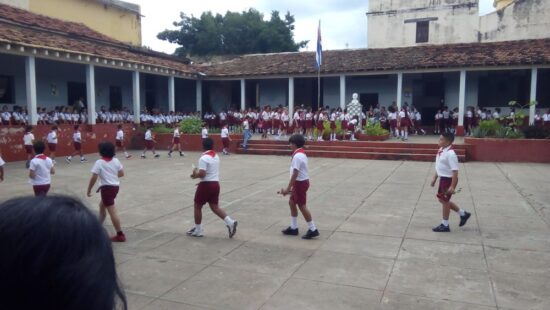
(355, 98)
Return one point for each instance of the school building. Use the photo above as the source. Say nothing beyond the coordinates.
(48, 62)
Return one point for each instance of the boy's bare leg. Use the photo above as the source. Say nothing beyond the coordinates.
(114, 217)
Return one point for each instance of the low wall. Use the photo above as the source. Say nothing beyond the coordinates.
(11, 138)
(508, 150)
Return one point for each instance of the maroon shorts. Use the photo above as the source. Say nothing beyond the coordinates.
(309, 124)
(405, 122)
(176, 140)
(77, 146)
(299, 192)
(332, 125)
(207, 192)
(149, 144)
(393, 123)
(118, 143)
(225, 142)
(52, 147)
(320, 125)
(344, 124)
(41, 190)
(444, 184)
(108, 194)
(28, 149)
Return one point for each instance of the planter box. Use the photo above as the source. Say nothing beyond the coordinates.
(364, 137)
(190, 143)
(508, 150)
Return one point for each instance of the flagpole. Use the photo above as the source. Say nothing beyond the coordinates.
(319, 88)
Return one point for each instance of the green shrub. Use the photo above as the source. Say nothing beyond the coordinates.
(161, 129)
(489, 127)
(375, 129)
(191, 126)
(479, 132)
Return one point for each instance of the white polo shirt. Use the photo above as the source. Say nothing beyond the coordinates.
(176, 132)
(210, 163)
(52, 137)
(204, 133)
(148, 135)
(2, 162)
(28, 138)
(225, 133)
(299, 162)
(546, 117)
(120, 135)
(246, 125)
(77, 137)
(446, 162)
(107, 170)
(42, 166)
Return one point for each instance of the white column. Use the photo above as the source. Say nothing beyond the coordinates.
(342, 92)
(136, 96)
(171, 95)
(533, 96)
(30, 73)
(199, 96)
(462, 98)
(291, 98)
(399, 89)
(243, 94)
(90, 93)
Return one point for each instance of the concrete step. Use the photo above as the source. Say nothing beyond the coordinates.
(382, 155)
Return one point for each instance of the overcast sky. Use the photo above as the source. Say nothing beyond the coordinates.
(344, 23)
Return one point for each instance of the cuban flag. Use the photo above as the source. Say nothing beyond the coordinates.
(319, 53)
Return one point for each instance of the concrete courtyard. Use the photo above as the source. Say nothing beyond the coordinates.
(376, 249)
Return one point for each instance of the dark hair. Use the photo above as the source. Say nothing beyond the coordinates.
(39, 147)
(119, 126)
(55, 255)
(76, 127)
(298, 140)
(106, 149)
(207, 144)
(28, 128)
(54, 128)
(448, 136)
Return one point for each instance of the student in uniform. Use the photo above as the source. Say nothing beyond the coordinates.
(392, 117)
(446, 167)
(120, 141)
(2, 163)
(149, 142)
(404, 123)
(333, 125)
(176, 143)
(28, 140)
(77, 144)
(297, 188)
(108, 169)
(546, 119)
(41, 169)
(226, 138)
(208, 190)
(52, 142)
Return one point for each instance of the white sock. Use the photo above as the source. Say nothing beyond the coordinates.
(293, 222)
(229, 221)
(198, 227)
(311, 226)
(406, 135)
(445, 222)
(126, 154)
(70, 157)
(462, 212)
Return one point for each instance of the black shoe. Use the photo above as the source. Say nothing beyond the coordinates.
(464, 218)
(441, 228)
(311, 234)
(157, 155)
(232, 230)
(291, 232)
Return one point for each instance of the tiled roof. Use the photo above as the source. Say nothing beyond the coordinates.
(512, 53)
(29, 29)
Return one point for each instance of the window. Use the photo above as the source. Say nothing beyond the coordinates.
(6, 89)
(422, 31)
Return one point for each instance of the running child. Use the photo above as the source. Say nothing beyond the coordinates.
(108, 169)
(149, 142)
(41, 169)
(77, 143)
(297, 188)
(176, 143)
(208, 190)
(52, 142)
(120, 141)
(446, 167)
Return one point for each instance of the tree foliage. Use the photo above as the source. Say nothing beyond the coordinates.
(233, 34)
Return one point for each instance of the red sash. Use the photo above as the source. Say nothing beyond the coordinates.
(442, 149)
(107, 159)
(210, 153)
(41, 156)
(300, 150)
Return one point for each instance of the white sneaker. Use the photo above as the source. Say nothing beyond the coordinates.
(232, 230)
(194, 232)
